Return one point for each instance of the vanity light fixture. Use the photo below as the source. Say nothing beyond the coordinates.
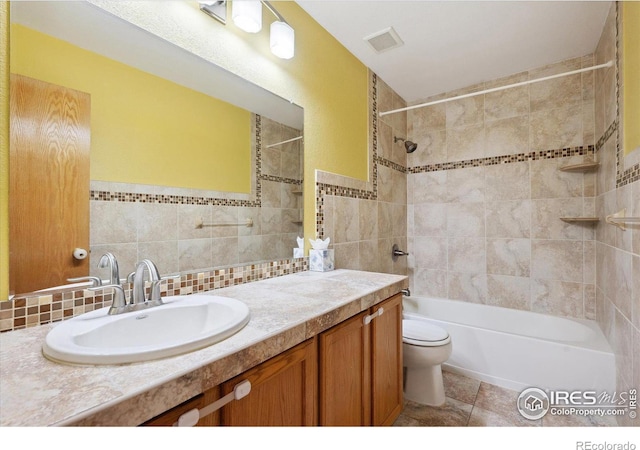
(282, 37)
(247, 15)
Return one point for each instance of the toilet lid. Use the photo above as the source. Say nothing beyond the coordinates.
(417, 332)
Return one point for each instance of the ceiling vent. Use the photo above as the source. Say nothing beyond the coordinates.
(384, 40)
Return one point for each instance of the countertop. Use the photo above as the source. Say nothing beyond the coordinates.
(284, 312)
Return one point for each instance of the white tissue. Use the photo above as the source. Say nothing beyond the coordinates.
(298, 252)
(319, 244)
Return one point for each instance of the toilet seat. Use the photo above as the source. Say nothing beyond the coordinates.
(423, 334)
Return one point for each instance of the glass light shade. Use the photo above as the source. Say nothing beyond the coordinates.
(282, 40)
(247, 15)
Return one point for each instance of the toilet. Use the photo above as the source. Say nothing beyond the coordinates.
(425, 347)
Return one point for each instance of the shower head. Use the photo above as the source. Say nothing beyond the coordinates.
(410, 146)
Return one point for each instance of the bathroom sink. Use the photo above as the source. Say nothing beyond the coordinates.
(182, 324)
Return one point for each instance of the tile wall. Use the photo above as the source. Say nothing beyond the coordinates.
(617, 251)
(486, 195)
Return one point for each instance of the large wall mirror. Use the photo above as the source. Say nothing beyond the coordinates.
(189, 165)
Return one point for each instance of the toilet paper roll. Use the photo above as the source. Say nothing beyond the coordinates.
(79, 253)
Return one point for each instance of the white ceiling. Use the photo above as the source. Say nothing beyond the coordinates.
(454, 44)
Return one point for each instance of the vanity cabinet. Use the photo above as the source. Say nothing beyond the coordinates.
(360, 368)
(283, 393)
(349, 375)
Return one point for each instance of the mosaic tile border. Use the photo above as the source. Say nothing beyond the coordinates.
(506, 159)
(33, 310)
(280, 179)
(130, 197)
(607, 134)
(390, 164)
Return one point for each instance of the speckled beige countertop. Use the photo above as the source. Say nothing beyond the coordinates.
(284, 312)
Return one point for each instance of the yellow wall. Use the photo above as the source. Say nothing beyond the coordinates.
(142, 125)
(4, 150)
(631, 75)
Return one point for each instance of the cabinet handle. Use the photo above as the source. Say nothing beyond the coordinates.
(191, 417)
(367, 319)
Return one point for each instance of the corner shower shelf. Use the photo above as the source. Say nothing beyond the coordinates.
(584, 167)
(296, 191)
(587, 220)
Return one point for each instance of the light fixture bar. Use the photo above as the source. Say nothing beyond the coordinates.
(215, 9)
(274, 11)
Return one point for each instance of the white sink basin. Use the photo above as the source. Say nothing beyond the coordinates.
(182, 324)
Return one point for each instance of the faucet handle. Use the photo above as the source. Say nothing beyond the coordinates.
(154, 297)
(119, 304)
(95, 281)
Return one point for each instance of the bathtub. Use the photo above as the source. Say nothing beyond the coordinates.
(520, 349)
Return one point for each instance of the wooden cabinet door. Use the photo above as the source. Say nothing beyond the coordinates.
(283, 391)
(345, 374)
(48, 183)
(386, 350)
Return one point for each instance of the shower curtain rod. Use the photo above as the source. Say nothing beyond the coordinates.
(487, 91)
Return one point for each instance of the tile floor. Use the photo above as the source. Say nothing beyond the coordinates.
(471, 402)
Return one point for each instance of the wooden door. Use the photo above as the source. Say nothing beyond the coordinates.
(49, 183)
(283, 391)
(386, 351)
(345, 374)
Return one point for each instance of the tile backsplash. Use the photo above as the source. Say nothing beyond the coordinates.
(45, 307)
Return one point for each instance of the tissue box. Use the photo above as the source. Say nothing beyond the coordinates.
(321, 260)
(298, 253)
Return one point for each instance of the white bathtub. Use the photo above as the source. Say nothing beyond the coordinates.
(519, 349)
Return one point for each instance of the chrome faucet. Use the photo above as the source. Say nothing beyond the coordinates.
(138, 297)
(119, 303)
(109, 260)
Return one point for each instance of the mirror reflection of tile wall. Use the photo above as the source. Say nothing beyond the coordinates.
(159, 223)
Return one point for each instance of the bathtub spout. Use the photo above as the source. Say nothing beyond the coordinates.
(406, 292)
